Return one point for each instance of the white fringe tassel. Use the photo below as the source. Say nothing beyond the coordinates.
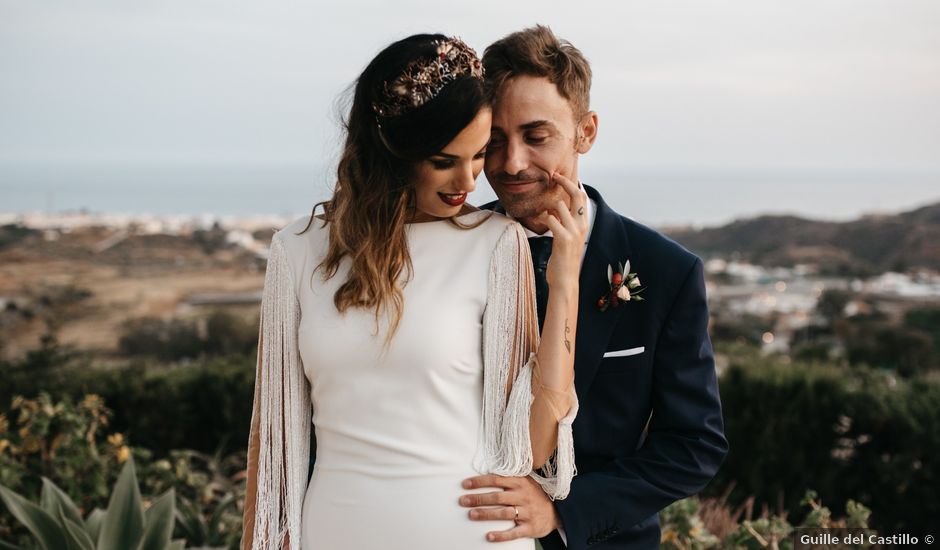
(505, 440)
(282, 401)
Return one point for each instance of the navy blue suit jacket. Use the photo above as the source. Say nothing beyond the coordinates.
(649, 430)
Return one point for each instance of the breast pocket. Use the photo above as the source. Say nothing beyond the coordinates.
(623, 359)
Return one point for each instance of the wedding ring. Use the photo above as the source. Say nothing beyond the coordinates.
(516, 508)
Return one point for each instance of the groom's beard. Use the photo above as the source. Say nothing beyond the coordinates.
(530, 203)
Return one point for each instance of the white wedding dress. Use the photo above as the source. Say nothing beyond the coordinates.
(397, 429)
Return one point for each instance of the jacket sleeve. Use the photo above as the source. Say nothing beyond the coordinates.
(519, 415)
(279, 440)
(685, 443)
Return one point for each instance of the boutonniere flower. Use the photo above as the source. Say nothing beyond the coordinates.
(624, 287)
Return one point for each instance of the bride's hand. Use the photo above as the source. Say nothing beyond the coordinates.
(569, 225)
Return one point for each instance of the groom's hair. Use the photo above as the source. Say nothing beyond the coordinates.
(536, 51)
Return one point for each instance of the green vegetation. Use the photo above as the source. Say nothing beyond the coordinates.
(850, 432)
(699, 524)
(62, 452)
(860, 425)
(57, 523)
(171, 340)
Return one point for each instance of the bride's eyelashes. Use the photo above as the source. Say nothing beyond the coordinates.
(447, 164)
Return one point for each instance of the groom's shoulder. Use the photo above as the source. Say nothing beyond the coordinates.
(656, 241)
(657, 250)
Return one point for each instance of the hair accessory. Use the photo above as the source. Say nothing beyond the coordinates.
(423, 79)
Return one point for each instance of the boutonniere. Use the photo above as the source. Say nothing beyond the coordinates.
(624, 287)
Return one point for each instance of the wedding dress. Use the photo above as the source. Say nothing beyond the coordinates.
(397, 428)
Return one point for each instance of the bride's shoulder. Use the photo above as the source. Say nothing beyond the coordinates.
(490, 220)
(301, 229)
(500, 231)
(501, 224)
(303, 236)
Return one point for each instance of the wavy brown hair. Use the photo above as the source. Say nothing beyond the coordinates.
(536, 51)
(374, 193)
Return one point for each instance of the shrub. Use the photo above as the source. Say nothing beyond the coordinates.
(692, 524)
(168, 340)
(204, 405)
(66, 445)
(849, 432)
(57, 522)
(175, 339)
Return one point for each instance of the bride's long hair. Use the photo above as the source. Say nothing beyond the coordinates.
(374, 194)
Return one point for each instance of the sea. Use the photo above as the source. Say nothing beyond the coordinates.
(660, 197)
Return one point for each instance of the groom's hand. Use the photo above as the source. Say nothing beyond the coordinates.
(537, 516)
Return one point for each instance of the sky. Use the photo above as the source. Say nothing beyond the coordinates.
(765, 93)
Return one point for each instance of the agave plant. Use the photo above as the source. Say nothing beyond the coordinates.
(56, 523)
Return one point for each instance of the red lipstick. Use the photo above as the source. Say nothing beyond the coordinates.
(453, 199)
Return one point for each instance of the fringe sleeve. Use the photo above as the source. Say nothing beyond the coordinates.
(279, 441)
(510, 339)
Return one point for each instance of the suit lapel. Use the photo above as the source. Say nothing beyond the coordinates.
(607, 246)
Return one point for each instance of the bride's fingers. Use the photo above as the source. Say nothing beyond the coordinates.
(557, 229)
(574, 192)
(572, 234)
(577, 205)
(567, 219)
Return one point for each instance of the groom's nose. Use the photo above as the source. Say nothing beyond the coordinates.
(516, 158)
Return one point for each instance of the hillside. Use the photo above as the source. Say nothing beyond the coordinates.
(871, 244)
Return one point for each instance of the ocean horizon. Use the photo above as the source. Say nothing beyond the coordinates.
(658, 197)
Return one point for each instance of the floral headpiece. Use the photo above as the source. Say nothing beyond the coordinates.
(423, 79)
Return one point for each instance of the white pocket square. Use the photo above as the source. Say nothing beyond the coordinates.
(625, 352)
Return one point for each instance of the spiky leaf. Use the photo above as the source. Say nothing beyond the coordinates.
(93, 523)
(52, 494)
(159, 519)
(123, 524)
(42, 525)
(75, 533)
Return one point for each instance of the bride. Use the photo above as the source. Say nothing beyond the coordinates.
(399, 330)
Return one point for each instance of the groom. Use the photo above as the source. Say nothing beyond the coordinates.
(649, 431)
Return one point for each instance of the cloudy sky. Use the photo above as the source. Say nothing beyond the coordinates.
(703, 92)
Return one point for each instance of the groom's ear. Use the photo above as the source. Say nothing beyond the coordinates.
(587, 132)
